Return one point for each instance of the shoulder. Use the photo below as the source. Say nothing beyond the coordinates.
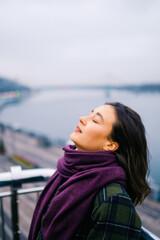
(113, 208)
(113, 196)
(110, 191)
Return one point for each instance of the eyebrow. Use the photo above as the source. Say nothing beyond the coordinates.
(99, 114)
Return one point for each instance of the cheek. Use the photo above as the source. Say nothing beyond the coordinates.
(96, 133)
(94, 140)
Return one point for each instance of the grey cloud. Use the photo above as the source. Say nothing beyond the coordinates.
(79, 41)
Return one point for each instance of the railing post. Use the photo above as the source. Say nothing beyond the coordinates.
(16, 184)
(15, 217)
(2, 218)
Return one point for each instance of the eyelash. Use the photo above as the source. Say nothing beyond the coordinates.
(94, 121)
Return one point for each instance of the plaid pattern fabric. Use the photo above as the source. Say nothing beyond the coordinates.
(112, 217)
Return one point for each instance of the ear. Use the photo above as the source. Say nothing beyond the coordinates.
(111, 146)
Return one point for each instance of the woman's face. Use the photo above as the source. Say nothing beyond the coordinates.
(92, 132)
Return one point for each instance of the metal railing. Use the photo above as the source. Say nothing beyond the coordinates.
(147, 235)
(14, 180)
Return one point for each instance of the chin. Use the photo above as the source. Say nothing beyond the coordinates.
(72, 137)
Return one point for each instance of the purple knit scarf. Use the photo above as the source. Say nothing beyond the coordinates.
(85, 174)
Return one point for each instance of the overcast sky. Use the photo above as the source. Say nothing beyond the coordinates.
(45, 42)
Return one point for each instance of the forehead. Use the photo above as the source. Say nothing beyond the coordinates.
(108, 113)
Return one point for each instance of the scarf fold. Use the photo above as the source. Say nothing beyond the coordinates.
(79, 177)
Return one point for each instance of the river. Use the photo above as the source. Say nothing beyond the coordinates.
(56, 113)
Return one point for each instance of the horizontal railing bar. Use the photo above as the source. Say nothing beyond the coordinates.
(5, 194)
(30, 190)
(18, 176)
(22, 191)
(152, 235)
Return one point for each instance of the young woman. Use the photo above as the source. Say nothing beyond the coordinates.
(98, 181)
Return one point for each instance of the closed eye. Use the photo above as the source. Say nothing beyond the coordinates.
(94, 121)
(99, 115)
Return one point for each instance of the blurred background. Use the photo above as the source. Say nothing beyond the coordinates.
(61, 59)
(96, 45)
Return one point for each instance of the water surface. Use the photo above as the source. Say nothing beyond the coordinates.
(56, 114)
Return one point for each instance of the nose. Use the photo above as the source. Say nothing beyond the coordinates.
(83, 120)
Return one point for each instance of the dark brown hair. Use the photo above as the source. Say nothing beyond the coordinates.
(132, 153)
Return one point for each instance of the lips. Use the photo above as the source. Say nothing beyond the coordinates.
(78, 129)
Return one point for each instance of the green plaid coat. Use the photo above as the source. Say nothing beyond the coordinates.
(112, 217)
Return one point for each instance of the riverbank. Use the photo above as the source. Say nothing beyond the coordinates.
(21, 149)
(14, 96)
